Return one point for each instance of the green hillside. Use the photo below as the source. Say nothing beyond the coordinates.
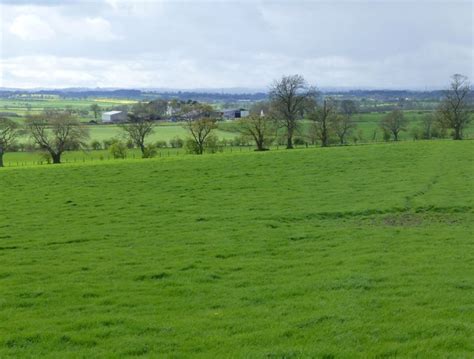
(357, 251)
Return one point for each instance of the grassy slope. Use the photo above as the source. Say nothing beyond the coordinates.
(353, 251)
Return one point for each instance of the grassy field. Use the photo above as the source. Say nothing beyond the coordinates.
(367, 123)
(162, 132)
(23, 106)
(361, 251)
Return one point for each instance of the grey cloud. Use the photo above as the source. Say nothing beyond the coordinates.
(372, 44)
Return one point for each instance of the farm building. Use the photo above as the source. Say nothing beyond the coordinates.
(114, 116)
(231, 114)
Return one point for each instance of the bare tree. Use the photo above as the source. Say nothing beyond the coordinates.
(322, 119)
(393, 123)
(453, 111)
(342, 127)
(260, 128)
(200, 125)
(342, 123)
(430, 128)
(200, 131)
(291, 98)
(57, 132)
(137, 130)
(9, 131)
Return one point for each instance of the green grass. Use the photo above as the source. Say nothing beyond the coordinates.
(361, 251)
(162, 132)
(19, 105)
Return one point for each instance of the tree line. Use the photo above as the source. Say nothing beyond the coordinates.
(291, 100)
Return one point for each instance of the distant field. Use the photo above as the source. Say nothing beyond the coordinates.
(35, 105)
(161, 133)
(352, 252)
(367, 123)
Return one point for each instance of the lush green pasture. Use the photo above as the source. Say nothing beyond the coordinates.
(360, 251)
(162, 132)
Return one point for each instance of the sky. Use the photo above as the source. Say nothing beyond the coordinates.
(234, 44)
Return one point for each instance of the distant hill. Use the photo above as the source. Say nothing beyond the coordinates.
(222, 95)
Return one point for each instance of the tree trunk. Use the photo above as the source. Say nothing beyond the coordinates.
(1, 158)
(324, 138)
(395, 136)
(142, 148)
(289, 143)
(457, 133)
(56, 158)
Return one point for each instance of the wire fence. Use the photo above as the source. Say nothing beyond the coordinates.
(38, 159)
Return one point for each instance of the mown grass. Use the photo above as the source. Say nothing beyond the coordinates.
(362, 251)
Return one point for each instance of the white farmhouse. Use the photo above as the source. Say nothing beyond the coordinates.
(114, 116)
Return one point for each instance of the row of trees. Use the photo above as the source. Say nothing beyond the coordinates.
(291, 100)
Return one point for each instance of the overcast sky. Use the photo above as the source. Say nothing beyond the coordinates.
(224, 44)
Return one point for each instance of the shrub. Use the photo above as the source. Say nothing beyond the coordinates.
(191, 146)
(417, 133)
(176, 142)
(299, 141)
(96, 145)
(160, 144)
(150, 151)
(212, 144)
(45, 156)
(118, 150)
(439, 132)
(108, 143)
(240, 141)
